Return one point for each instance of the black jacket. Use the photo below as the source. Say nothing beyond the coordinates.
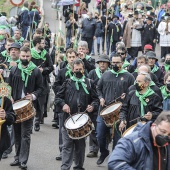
(131, 107)
(69, 95)
(10, 118)
(69, 27)
(99, 29)
(34, 86)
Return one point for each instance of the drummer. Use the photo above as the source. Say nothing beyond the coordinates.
(142, 103)
(147, 148)
(95, 75)
(113, 84)
(77, 94)
(26, 82)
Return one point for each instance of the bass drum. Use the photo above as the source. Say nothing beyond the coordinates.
(130, 129)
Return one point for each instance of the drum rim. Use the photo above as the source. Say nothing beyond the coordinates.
(21, 101)
(109, 106)
(124, 133)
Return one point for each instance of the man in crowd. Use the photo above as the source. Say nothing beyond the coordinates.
(2, 39)
(17, 37)
(150, 143)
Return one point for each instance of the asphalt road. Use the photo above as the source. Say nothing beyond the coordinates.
(44, 144)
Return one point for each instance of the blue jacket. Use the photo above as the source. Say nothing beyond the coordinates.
(134, 152)
(34, 16)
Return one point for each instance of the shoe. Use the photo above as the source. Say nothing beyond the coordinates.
(92, 54)
(36, 127)
(58, 158)
(4, 155)
(15, 163)
(92, 155)
(102, 158)
(55, 125)
(23, 166)
(162, 59)
(42, 120)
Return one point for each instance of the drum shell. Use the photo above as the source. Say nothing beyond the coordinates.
(82, 131)
(24, 113)
(112, 116)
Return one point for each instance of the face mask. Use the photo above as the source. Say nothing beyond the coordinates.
(115, 67)
(167, 62)
(1, 37)
(24, 62)
(168, 86)
(139, 87)
(96, 17)
(78, 74)
(161, 140)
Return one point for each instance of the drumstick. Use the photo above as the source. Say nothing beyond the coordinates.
(117, 98)
(71, 118)
(137, 118)
(81, 115)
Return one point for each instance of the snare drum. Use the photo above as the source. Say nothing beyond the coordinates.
(130, 129)
(24, 110)
(79, 129)
(110, 114)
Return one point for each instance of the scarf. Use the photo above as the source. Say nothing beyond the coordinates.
(68, 72)
(152, 84)
(81, 81)
(125, 64)
(26, 72)
(19, 41)
(167, 67)
(155, 69)
(37, 56)
(87, 57)
(4, 54)
(24, 8)
(136, 70)
(164, 92)
(142, 98)
(117, 73)
(97, 70)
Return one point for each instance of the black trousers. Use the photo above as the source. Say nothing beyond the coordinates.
(89, 42)
(133, 51)
(164, 51)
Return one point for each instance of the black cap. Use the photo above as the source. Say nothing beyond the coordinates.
(149, 18)
(104, 58)
(15, 45)
(152, 14)
(151, 54)
(115, 16)
(136, 12)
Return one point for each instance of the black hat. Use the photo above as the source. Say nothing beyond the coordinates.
(130, 15)
(152, 14)
(14, 45)
(149, 18)
(136, 12)
(151, 54)
(167, 15)
(104, 58)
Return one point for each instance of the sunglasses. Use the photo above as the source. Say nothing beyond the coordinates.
(121, 53)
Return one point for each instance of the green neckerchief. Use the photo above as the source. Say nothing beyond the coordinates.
(117, 73)
(87, 57)
(77, 81)
(167, 67)
(125, 64)
(26, 72)
(68, 72)
(164, 92)
(35, 54)
(142, 98)
(152, 84)
(155, 68)
(10, 59)
(136, 70)
(34, 10)
(24, 8)
(19, 41)
(4, 54)
(98, 72)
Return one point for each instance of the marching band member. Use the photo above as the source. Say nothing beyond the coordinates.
(26, 82)
(113, 83)
(77, 94)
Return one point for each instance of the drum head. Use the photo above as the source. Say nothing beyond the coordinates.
(20, 104)
(111, 108)
(79, 123)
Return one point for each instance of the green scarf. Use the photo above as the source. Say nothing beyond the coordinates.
(167, 67)
(19, 41)
(77, 81)
(34, 10)
(155, 69)
(125, 64)
(87, 57)
(68, 72)
(117, 73)
(152, 84)
(35, 54)
(142, 98)
(97, 70)
(26, 72)
(164, 92)
(10, 59)
(24, 8)
(136, 70)
(4, 54)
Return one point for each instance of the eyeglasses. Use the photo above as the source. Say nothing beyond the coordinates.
(121, 53)
(163, 132)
